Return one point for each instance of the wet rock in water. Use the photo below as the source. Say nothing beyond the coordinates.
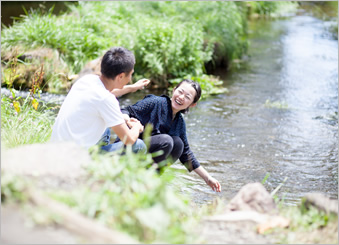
(252, 197)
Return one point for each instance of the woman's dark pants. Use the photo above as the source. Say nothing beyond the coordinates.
(168, 145)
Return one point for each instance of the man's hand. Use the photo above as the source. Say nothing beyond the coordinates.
(141, 84)
(126, 118)
(133, 122)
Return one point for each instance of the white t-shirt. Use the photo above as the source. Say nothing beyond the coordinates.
(89, 108)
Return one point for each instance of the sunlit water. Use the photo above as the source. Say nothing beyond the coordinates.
(279, 117)
(239, 137)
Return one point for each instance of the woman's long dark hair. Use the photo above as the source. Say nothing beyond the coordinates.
(197, 89)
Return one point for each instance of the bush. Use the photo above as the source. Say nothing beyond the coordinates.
(170, 39)
(167, 50)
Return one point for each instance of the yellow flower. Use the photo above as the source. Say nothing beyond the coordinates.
(35, 104)
(16, 105)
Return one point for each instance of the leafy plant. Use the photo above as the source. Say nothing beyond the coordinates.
(122, 193)
(12, 188)
(25, 121)
(167, 50)
(307, 218)
(172, 40)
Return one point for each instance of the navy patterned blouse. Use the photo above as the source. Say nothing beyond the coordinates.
(157, 110)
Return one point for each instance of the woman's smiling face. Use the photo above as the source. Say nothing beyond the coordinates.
(183, 97)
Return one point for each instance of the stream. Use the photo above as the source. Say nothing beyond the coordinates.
(279, 118)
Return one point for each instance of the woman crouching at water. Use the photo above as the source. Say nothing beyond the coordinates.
(169, 128)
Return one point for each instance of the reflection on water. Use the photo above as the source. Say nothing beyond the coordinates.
(238, 139)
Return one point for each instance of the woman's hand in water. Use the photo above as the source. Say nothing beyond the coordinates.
(214, 184)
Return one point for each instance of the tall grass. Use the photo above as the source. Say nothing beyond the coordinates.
(24, 120)
(25, 125)
(75, 43)
(170, 39)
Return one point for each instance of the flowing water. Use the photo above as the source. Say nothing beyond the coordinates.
(280, 116)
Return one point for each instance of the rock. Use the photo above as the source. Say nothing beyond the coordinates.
(252, 197)
(264, 221)
(272, 222)
(92, 67)
(20, 75)
(40, 54)
(247, 216)
(18, 228)
(321, 202)
(52, 164)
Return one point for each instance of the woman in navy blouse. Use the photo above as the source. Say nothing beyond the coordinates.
(169, 128)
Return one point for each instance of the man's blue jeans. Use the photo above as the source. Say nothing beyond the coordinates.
(138, 146)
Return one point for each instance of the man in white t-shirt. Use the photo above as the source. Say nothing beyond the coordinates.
(91, 106)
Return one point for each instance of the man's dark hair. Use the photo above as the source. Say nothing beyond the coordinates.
(117, 60)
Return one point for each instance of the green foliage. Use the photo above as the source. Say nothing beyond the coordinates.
(22, 124)
(170, 39)
(75, 43)
(271, 8)
(12, 188)
(167, 50)
(263, 7)
(25, 121)
(265, 178)
(307, 218)
(223, 25)
(123, 193)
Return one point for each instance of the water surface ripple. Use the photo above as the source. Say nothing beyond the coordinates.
(279, 117)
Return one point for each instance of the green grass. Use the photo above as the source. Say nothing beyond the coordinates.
(22, 124)
(170, 39)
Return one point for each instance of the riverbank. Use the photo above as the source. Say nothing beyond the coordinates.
(252, 216)
(205, 38)
(14, 219)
